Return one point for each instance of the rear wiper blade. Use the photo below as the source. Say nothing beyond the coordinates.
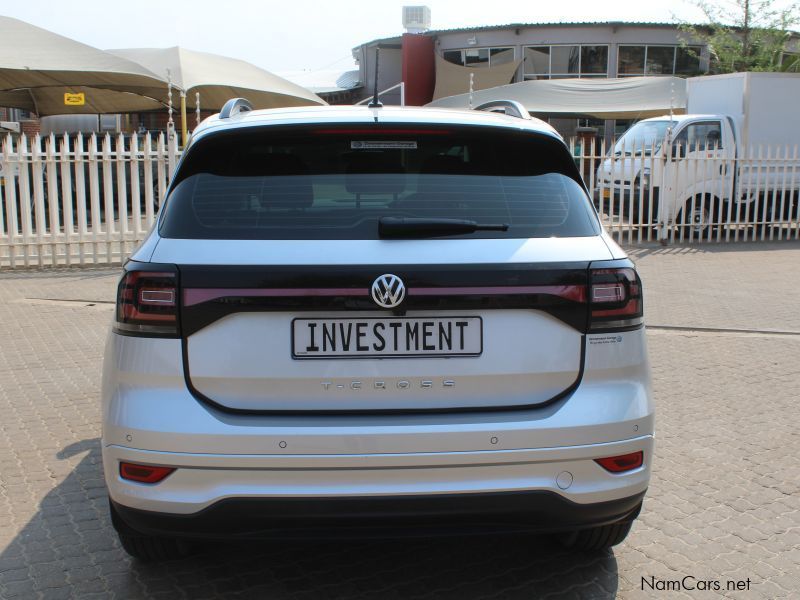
(420, 227)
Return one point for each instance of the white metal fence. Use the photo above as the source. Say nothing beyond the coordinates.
(90, 200)
(76, 200)
(693, 194)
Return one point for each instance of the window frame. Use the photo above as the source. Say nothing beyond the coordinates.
(694, 48)
(489, 49)
(551, 75)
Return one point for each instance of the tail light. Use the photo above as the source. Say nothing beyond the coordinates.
(620, 464)
(147, 304)
(615, 300)
(143, 473)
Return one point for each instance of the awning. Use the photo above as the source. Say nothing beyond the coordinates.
(54, 100)
(38, 67)
(621, 98)
(218, 78)
(454, 79)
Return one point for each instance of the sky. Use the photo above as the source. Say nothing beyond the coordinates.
(303, 35)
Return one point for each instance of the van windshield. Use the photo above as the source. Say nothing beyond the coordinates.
(642, 137)
(350, 182)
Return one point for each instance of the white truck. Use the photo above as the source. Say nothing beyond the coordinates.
(732, 158)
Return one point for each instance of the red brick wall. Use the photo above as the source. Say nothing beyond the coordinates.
(31, 127)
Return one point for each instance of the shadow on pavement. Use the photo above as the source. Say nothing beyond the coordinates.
(68, 549)
(706, 247)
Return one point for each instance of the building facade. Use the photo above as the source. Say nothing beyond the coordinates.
(544, 51)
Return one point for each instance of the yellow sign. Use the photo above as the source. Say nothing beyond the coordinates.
(74, 99)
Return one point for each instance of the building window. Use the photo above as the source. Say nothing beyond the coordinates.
(454, 56)
(479, 57)
(631, 60)
(594, 60)
(501, 56)
(564, 60)
(553, 62)
(658, 60)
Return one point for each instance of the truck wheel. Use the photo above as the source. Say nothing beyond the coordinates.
(596, 538)
(697, 222)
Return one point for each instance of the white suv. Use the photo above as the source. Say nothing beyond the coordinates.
(370, 320)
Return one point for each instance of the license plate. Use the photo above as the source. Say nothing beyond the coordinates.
(387, 337)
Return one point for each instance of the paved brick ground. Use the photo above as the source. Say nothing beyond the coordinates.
(724, 502)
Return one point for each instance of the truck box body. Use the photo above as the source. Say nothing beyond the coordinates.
(765, 107)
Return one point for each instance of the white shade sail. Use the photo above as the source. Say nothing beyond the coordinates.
(621, 98)
(454, 79)
(219, 78)
(37, 67)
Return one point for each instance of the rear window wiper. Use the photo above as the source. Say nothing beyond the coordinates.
(420, 227)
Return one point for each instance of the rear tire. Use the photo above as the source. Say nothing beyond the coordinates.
(596, 538)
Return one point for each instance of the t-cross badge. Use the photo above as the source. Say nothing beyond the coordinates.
(376, 321)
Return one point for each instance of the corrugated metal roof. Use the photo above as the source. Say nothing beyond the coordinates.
(434, 32)
(395, 39)
(554, 24)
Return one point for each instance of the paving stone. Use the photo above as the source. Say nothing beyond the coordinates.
(724, 502)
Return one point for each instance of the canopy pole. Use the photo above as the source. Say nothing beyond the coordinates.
(184, 128)
(197, 107)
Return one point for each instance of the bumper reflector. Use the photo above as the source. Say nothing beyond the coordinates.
(143, 473)
(620, 464)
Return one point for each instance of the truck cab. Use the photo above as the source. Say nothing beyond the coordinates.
(647, 163)
(729, 159)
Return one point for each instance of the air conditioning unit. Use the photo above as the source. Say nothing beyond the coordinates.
(416, 19)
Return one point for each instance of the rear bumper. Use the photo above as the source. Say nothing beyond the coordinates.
(223, 459)
(201, 481)
(528, 511)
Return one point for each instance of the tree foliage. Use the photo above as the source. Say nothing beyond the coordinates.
(747, 35)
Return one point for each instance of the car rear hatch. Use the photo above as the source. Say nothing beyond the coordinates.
(292, 300)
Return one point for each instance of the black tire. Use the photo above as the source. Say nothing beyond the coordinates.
(697, 223)
(596, 538)
(153, 549)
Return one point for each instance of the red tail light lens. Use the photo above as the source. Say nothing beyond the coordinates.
(147, 304)
(620, 464)
(143, 473)
(615, 300)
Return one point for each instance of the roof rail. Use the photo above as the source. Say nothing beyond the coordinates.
(507, 107)
(235, 106)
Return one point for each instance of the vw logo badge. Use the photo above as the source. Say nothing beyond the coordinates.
(388, 291)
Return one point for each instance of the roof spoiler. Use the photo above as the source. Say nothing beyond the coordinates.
(234, 107)
(511, 108)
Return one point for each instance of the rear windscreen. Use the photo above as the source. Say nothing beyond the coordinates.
(269, 183)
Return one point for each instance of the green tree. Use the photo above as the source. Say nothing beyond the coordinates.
(747, 35)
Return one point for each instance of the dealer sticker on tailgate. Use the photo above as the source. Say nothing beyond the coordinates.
(390, 337)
